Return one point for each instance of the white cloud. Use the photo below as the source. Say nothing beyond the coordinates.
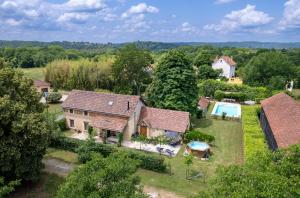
(187, 27)
(85, 5)
(73, 17)
(140, 9)
(241, 20)
(223, 1)
(291, 15)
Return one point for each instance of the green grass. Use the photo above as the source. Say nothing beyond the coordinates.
(37, 73)
(45, 187)
(296, 92)
(228, 149)
(254, 139)
(54, 108)
(63, 155)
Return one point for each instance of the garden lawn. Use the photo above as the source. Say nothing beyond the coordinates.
(37, 73)
(63, 155)
(55, 109)
(228, 149)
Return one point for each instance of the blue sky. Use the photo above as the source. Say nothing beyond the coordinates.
(155, 20)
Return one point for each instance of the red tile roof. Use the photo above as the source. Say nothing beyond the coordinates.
(40, 83)
(170, 120)
(227, 59)
(114, 104)
(110, 123)
(283, 115)
(203, 103)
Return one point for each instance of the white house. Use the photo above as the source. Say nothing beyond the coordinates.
(225, 63)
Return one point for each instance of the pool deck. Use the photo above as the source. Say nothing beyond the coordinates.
(239, 111)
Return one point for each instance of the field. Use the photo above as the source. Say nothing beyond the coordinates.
(54, 109)
(228, 149)
(37, 73)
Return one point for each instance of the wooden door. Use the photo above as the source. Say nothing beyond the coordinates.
(143, 131)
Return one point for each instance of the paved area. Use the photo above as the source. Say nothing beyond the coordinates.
(159, 193)
(136, 145)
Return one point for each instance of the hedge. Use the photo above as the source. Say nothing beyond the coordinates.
(209, 88)
(198, 136)
(254, 138)
(238, 96)
(148, 161)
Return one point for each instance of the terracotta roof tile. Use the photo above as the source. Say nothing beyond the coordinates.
(203, 103)
(39, 83)
(227, 59)
(283, 115)
(110, 123)
(170, 120)
(101, 102)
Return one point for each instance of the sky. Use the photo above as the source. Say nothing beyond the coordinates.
(119, 21)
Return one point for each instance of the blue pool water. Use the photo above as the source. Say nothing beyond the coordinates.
(231, 110)
(200, 146)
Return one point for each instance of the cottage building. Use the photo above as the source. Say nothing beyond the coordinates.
(41, 86)
(203, 104)
(111, 114)
(280, 121)
(227, 64)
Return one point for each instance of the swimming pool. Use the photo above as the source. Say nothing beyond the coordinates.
(199, 146)
(231, 110)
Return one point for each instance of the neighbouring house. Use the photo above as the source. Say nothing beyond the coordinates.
(41, 86)
(111, 114)
(203, 104)
(280, 121)
(156, 122)
(227, 65)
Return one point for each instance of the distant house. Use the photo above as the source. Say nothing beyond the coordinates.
(203, 104)
(111, 114)
(41, 86)
(227, 65)
(280, 121)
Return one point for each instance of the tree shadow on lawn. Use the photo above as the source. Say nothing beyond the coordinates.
(201, 123)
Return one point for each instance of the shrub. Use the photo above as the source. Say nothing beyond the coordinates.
(199, 113)
(254, 139)
(85, 148)
(54, 97)
(148, 161)
(238, 96)
(62, 124)
(209, 88)
(198, 136)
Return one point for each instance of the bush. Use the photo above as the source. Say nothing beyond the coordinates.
(238, 96)
(85, 148)
(54, 97)
(199, 113)
(209, 88)
(198, 136)
(254, 139)
(62, 124)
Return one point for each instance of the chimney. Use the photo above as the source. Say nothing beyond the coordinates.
(128, 105)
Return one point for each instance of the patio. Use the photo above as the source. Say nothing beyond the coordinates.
(136, 145)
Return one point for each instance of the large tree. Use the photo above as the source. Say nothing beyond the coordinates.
(131, 70)
(23, 128)
(109, 177)
(174, 83)
(271, 174)
(272, 69)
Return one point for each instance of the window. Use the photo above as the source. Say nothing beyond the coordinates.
(71, 111)
(86, 125)
(71, 123)
(85, 113)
